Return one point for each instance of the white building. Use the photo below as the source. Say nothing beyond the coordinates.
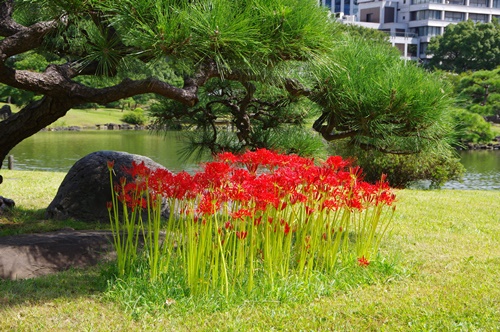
(412, 23)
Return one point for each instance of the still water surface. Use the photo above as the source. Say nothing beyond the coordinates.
(58, 151)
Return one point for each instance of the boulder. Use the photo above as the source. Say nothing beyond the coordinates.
(33, 255)
(5, 112)
(6, 204)
(85, 190)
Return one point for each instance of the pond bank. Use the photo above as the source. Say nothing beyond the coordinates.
(493, 145)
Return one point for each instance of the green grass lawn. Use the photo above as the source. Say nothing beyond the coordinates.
(88, 118)
(444, 246)
(496, 128)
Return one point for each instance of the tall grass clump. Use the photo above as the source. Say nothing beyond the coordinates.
(246, 220)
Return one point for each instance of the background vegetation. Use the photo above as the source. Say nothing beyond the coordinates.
(266, 67)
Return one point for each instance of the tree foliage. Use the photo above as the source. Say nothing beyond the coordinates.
(479, 91)
(369, 95)
(434, 167)
(471, 127)
(135, 117)
(264, 66)
(478, 102)
(467, 46)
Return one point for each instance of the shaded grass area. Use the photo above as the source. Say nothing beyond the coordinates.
(32, 191)
(438, 270)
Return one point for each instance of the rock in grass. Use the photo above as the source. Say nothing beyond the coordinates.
(32, 255)
(85, 190)
(6, 204)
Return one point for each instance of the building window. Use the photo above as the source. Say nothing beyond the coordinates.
(425, 15)
(456, 2)
(478, 3)
(337, 6)
(369, 17)
(412, 50)
(454, 16)
(496, 3)
(416, 2)
(481, 18)
(328, 4)
(347, 7)
(423, 48)
(428, 31)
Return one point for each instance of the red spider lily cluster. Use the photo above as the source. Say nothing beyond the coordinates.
(253, 204)
(257, 180)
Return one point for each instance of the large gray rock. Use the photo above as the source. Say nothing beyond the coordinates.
(85, 190)
(33, 255)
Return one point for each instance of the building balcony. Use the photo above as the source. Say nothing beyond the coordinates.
(433, 23)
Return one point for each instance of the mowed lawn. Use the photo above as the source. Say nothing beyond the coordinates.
(445, 245)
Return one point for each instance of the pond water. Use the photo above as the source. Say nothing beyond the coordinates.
(58, 151)
(482, 170)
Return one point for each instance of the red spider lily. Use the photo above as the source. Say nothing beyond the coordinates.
(297, 198)
(140, 170)
(184, 186)
(309, 210)
(111, 164)
(265, 186)
(227, 157)
(260, 157)
(336, 163)
(214, 174)
(355, 203)
(286, 228)
(331, 204)
(241, 214)
(161, 181)
(123, 181)
(241, 235)
(208, 205)
(109, 205)
(363, 262)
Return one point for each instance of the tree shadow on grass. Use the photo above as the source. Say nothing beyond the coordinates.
(25, 221)
(70, 284)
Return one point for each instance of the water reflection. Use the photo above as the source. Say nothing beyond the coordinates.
(58, 151)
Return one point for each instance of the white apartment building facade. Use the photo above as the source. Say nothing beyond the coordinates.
(412, 23)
